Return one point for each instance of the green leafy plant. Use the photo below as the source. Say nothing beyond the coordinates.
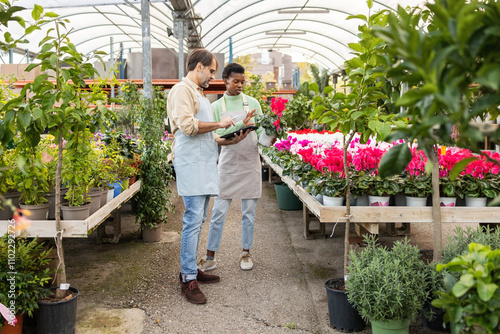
(153, 200)
(376, 185)
(472, 303)
(449, 187)
(332, 184)
(418, 186)
(471, 186)
(24, 273)
(386, 284)
(31, 178)
(297, 112)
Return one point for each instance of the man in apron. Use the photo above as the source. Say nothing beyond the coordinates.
(195, 161)
(239, 168)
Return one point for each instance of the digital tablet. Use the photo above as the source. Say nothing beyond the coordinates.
(231, 135)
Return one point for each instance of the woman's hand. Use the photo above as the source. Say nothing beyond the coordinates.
(247, 120)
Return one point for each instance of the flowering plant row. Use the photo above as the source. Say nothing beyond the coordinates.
(323, 151)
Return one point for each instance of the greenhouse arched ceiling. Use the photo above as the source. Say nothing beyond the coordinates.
(307, 29)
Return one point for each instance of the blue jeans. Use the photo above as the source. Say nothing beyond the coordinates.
(194, 216)
(219, 212)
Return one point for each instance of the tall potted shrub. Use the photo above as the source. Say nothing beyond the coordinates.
(153, 199)
(364, 109)
(60, 105)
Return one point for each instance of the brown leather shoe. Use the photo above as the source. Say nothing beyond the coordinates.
(203, 278)
(192, 292)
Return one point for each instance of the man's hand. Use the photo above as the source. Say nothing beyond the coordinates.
(247, 119)
(226, 122)
(235, 140)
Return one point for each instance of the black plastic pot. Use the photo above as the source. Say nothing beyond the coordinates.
(58, 317)
(265, 173)
(436, 323)
(343, 316)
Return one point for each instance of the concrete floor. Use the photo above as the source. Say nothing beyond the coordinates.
(284, 291)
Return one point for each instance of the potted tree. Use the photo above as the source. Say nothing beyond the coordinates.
(153, 200)
(24, 275)
(387, 286)
(32, 179)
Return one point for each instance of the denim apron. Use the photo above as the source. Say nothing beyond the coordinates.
(239, 164)
(195, 160)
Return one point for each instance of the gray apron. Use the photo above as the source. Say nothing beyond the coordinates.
(239, 165)
(195, 160)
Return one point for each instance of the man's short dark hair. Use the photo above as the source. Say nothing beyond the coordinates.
(232, 68)
(200, 56)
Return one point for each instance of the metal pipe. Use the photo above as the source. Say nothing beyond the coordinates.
(147, 77)
(122, 64)
(112, 64)
(11, 56)
(180, 36)
(230, 49)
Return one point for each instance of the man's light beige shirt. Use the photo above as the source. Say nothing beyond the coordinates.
(183, 105)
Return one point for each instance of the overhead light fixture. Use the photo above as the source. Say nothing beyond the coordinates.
(287, 32)
(276, 46)
(304, 11)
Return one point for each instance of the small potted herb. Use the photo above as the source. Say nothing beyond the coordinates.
(387, 286)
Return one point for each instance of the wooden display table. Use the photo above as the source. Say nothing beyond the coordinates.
(369, 217)
(82, 228)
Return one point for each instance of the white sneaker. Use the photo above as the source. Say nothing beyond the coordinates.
(246, 261)
(206, 265)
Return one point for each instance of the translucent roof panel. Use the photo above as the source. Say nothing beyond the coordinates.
(253, 25)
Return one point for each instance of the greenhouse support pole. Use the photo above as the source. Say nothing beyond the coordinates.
(122, 64)
(230, 49)
(27, 56)
(11, 56)
(112, 64)
(147, 78)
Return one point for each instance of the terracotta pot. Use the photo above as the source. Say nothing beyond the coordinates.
(151, 234)
(16, 329)
(132, 180)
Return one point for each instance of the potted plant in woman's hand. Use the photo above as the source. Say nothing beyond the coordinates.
(24, 276)
(387, 286)
(270, 121)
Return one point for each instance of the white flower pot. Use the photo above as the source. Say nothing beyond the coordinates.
(475, 201)
(333, 201)
(319, 198)
(378, 200)
(448, 201)
(416, 201)
(264, 139)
